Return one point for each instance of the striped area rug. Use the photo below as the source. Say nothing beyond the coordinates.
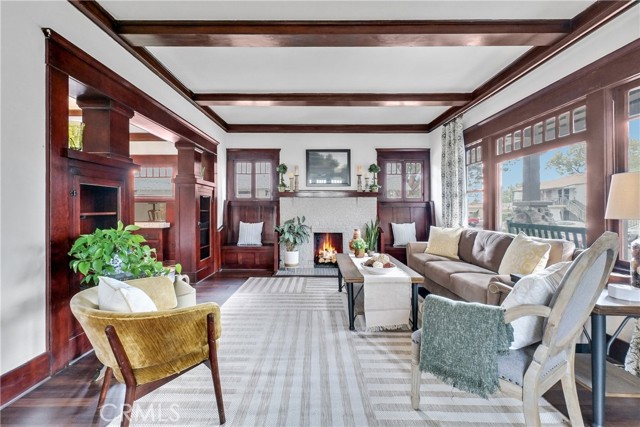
(287, 358)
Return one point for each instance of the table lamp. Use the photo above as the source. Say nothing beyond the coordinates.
(624, 203)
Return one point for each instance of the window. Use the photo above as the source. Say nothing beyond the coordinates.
(402, 176)
(251, 174)
(631, 228)
(547, 188)
(475, 216)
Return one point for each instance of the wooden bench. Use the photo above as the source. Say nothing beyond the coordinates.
(422, 213)
(577, 235)
(263, 257)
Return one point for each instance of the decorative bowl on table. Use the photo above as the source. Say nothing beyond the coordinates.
(379, 264)
(379, 270)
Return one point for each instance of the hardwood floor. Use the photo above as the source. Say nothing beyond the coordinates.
(70, 398)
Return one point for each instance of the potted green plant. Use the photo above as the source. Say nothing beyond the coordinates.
(359, 247)
(115, 252)
(374, 169)
(282, 169)
(371, 234)
(293, 232)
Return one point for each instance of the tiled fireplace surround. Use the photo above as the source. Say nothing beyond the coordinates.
(328, 215)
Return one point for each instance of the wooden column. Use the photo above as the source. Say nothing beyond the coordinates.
(106, 129)
(186, 226)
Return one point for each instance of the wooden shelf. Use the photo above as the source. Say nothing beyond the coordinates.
(97, 214)
(619, 383)
(327, 193)
(106, 160)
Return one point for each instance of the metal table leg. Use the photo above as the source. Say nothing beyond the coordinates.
(339, 281)
(414, 306)
(350, 305)
(598, 367)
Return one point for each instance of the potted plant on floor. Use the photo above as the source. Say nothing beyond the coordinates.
(371, 234)
(293, 233)
(115, 252)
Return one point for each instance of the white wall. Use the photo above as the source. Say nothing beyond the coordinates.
(22, 157)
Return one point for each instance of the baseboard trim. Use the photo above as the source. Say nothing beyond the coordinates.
(22, 378)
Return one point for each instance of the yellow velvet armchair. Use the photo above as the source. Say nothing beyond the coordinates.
(146, 350)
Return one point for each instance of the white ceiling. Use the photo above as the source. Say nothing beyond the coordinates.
(336, 69)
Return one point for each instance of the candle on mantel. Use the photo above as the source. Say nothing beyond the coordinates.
(290, 174)
(359, 169)
(296, 170)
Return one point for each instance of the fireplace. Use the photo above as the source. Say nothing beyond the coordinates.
(325, 248)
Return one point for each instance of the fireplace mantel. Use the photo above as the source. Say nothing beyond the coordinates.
(327, 193)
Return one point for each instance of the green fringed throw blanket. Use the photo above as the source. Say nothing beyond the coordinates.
(461, 342)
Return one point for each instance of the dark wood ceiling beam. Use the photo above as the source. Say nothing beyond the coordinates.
(332, 99)
(326, 128)
(582, 25)
(143, 136)
(99, 16)
(343, 33)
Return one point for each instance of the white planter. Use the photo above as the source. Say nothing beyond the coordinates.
(291, 259)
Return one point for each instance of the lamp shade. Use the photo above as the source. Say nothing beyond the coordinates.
(624, 196)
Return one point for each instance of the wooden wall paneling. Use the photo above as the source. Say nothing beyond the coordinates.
(18, 380)
(600, 160)
(69, 59)
(59, 212)
(186, 215)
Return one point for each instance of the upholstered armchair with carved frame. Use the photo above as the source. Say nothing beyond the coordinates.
(529, 372)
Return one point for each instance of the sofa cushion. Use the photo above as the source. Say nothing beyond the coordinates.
(561, 250)
(524, 256)
(471, 287)
(441, 271)
(416, 261)
(484, 248)
(444, 241)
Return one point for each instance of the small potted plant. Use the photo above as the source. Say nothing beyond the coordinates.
(371, 234)
(293, 232)
(115, 252)
(359, 247)
(282, 169)
(374, 169)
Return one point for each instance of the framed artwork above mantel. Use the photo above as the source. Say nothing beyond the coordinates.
(328, 168)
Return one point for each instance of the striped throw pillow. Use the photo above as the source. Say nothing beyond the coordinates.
(250, 234)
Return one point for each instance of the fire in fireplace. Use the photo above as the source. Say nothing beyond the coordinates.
(325, 248)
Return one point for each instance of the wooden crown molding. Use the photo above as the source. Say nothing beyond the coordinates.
(332, 99)
(409, 33)
(327, 128)
(582, 25)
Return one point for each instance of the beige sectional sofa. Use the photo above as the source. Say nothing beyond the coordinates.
(480, 253)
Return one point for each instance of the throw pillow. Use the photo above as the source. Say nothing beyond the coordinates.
(533, 289)
(250, 234)
(114, 295)
(403, 233)
(524, 256)
(444, 241)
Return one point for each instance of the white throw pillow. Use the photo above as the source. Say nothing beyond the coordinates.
(403, 233)
(524, 256)
(250, 234)
(114, 295)
(533, 289)
(444, 241)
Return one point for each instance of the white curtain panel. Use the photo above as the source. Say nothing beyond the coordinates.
(454, 199)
